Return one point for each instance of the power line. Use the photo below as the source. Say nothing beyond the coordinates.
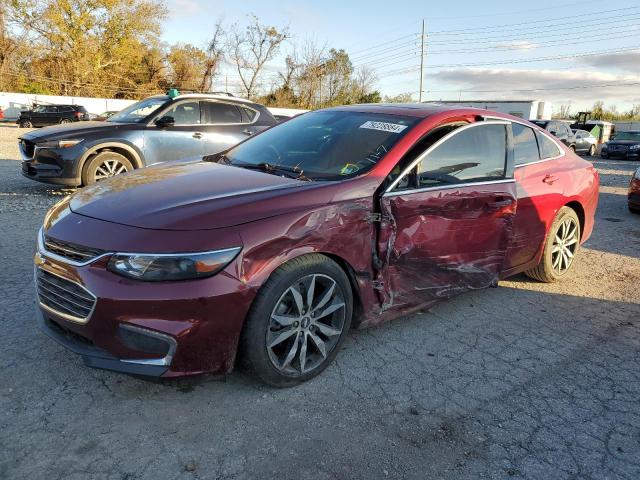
(575, 87)
(532, 22)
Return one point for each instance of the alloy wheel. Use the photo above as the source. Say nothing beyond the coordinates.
(565, 243)
(305, 325)
(109, 168)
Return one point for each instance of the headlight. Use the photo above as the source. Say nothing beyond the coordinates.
(635, 147)
(59, 143)
(168, 267)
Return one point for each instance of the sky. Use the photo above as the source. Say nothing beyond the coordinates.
(568, 53)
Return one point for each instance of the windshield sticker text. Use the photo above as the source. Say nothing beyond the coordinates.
(384, 126)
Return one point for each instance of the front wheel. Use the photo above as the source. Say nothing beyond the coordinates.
(298, 321)
(65, 120)
(25, 124)
(105, 165)
(562, 244)
(592, 150)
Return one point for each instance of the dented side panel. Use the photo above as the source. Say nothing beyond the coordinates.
(438, 243)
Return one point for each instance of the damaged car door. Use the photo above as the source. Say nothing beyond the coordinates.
(447, 218)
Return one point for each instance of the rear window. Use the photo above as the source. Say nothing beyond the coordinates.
(548, 148)
(81, 109)
(525, 146)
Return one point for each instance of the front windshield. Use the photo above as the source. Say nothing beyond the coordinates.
(634, 136)
(138, 111)
(325, 145)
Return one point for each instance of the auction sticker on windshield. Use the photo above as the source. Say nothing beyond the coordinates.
(384, 126)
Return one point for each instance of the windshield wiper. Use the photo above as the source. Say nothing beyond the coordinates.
(289, 172)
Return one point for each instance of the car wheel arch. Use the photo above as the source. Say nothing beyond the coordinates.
(344, 265)
(577, 207)
(125, 150)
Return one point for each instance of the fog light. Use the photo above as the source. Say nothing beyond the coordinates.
(147, 341)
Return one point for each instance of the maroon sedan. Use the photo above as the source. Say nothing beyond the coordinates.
(271, 251)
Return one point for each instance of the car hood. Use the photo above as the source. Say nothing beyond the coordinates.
(188, 196)
(72, 130)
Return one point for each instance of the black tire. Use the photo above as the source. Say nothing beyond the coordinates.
(255, 352)
(65, 120)
(592, 151)
(545, 271)
(25, 124)
(91, 171)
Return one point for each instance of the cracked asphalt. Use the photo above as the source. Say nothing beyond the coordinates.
(524, 381)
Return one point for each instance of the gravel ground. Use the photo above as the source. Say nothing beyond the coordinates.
(526, 381)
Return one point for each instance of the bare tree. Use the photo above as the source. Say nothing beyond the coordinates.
(214, 57)
(252, 48)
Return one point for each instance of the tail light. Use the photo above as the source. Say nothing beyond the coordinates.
(78, 114)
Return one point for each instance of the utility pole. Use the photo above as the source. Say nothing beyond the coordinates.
(421, 61)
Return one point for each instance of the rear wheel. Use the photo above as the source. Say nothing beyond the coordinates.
(573, 148)
(298, 321)
(562, 244)
(25, 124)
(105, 165)
(65, 120)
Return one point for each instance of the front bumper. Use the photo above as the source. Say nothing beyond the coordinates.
(58, 166)
(92, 355)
(202, 318)
(624, 154)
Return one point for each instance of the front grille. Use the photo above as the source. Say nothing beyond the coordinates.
(27, 148)
(71, 251)
(63, 296)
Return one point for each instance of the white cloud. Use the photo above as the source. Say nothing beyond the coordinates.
(184, 8)
(627, 61)
(517, 45)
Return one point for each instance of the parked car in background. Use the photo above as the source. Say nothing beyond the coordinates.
(1, 114)
(623, 145)
(282, 114)
(105, 115)
(585, 142)
(634, 193)
(560, 130)
(350, 215)
(44, 115)
(154, 130)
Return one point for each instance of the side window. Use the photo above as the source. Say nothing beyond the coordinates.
(51, 109)
(248, 115)
(185, 113)
(525, 146)
(220, 113)
(475, 154)
(548, 148)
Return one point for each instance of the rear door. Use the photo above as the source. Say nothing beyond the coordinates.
(226, 124)
(539, 191)
(446, 221)
(183, 140)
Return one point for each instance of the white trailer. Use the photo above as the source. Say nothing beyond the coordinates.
(527, 109)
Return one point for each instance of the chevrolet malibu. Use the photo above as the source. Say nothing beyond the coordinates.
(270, 251)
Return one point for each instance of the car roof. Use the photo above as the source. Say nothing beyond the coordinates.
(215, 96)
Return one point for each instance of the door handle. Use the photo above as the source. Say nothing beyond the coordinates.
(197, 135)
(246, 131)
(550, 179)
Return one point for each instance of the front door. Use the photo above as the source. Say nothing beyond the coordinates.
(182, 140)
(446, 222)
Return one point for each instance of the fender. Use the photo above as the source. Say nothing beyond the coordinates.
(135, 154)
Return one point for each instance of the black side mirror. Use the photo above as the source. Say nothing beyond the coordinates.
(166, 121)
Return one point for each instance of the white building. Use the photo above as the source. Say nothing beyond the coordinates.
(527, 109)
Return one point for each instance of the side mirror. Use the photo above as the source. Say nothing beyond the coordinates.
(554, 133)
(166, 121)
